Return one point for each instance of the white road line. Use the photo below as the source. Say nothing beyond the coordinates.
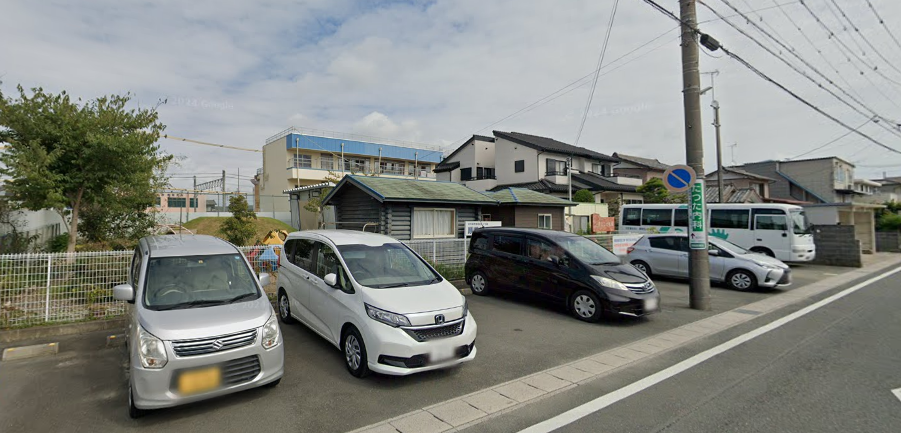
(603, 401)
(897, 393)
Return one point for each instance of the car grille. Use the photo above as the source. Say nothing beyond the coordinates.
(786, 277)
(240, 370)
(426, 334)
(220, 343)
(647, 287)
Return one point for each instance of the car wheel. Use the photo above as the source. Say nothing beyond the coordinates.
(642, 266)
(133, 411)
(355, 353)
(273, 384)
(479, 284)
(764, 251)
(741, 280)
(586, 306)
(284, 308)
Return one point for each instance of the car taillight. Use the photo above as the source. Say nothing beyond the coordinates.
(629, 250)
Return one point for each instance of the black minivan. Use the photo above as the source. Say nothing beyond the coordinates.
(561, 268)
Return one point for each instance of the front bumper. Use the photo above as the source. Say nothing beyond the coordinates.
(776, 278)
(638, 306)
(394, 352)
(157, 388)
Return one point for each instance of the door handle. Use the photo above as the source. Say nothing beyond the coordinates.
(784, 235)
(759, 240)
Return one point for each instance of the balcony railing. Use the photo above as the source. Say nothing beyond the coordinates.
(483, 177)
(555, 173)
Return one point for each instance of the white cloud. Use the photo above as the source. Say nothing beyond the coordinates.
(237, 72)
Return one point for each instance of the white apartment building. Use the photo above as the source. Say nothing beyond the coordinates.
(299, 157)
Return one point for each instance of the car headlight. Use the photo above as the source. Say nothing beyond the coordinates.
(387, 317)
(610, 283)
(152, 350)
(270, 333)
(465, 307)
(768, 266)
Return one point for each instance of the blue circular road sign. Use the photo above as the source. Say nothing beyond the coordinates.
(679, 178)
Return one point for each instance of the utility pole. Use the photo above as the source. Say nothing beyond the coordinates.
(698, 258)
(569, 181)
(719, 150)
(222, 194)
(195, 196)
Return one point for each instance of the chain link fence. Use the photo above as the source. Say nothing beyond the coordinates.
(38, 289)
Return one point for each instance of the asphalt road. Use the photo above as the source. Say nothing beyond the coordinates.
(83, 387)
(829, 371)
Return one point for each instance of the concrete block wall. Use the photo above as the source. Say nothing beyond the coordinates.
(837, 246)
(888, 242)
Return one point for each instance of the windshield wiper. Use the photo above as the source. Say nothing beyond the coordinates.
(434, 280)
(391, 286)
(239, 298)
(188, 305)
(606, 263)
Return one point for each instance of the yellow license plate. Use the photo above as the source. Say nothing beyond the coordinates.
(195, 381)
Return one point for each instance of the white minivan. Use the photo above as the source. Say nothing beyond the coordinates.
(376, 300)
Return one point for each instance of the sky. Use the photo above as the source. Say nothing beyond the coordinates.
(238, 72)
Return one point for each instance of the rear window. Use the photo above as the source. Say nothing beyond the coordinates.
(508, 244)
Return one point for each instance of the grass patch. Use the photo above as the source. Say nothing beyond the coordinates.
(210, 226)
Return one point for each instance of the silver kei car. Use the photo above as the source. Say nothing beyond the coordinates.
(740, 269)
(200, 324)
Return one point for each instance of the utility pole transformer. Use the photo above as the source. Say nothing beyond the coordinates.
(698, 258)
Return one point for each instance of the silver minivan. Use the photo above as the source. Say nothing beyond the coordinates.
(200, 324)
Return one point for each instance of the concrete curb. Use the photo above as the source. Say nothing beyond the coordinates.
(33, 333)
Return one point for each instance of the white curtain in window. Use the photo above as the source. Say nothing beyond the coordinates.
(444, 223)
(423, 223)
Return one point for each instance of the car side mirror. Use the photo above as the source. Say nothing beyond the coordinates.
(124, 292)
(713, 252)
(265, 279)
(331, 280)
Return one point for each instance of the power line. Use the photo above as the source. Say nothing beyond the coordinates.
(844, 48)
(762, 75)
(831, 141)
(866, 40)
(212, 144)
(881, 21)
(573, 85)
(795, 68)
(819, 51)
(597, 73)
(755, 10)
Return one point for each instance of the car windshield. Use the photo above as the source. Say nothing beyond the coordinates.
(587, 251)
(729, 246)
(198, 281)
(799, 223)
(386, 266)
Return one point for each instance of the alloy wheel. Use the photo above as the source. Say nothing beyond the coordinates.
(352, 352)
(741, 281)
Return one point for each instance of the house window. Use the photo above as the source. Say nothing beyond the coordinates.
(434, 223)
(634, 201)
(544, 221)
(466, 173)
(519, 166)
(159, 201)
(327, 162)
(359, 165)
(176, 202)
(303, 161)
(392, 167)
(556, 167)
(601, 169)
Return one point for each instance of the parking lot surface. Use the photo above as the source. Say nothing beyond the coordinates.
(83, 387)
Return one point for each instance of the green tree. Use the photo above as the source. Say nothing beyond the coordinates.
(69, 156)
(654, 191)
(583, 196)
(239, 228)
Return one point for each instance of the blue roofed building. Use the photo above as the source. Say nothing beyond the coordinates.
(299, 157)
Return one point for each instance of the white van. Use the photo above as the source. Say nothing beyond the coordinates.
(376, 300)
(777, 230)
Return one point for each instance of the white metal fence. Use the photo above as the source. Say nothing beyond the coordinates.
(52, 288)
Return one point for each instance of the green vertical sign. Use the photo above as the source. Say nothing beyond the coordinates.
(697, 233)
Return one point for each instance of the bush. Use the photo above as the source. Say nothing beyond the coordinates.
(58, 243)
(889, 223)
(583, 196)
